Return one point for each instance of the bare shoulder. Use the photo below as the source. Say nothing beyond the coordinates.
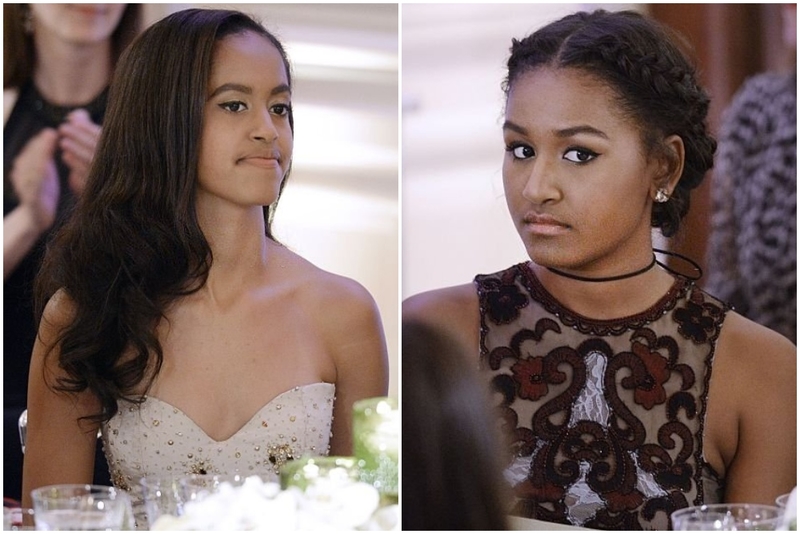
(338, 302)
(324, 289)
(346, 316)
(753, 362)
(442, 304)
(750, 346)
(451, 310)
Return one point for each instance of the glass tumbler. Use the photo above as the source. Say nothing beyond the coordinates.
(727, 517)
(81, 507)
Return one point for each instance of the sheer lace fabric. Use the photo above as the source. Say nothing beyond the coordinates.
(606, 417)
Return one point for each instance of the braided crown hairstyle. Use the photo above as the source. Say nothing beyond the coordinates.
(655, 84)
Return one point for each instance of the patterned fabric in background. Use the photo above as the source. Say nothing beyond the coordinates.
(752, 254)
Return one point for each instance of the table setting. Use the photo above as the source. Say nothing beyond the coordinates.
(358, 492)
(782, 515)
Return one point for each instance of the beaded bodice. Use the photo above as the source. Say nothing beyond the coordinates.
(155, 438)
(605, 417)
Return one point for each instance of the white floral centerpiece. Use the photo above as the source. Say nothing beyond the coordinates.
(259, 505)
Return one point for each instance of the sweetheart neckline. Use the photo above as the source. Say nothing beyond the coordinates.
(247, 423)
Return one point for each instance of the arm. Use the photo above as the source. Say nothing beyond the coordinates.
(359, 353)
(60, 448)
(35, 181)
(756, 385)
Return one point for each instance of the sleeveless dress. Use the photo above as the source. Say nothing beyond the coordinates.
(605, 416)
(155, 438)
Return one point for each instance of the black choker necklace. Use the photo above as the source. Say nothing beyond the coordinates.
(607, 278)
(698, 272)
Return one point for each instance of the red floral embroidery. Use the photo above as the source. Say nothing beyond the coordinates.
(529, 375)
(619, 502)
(650, 389)
(546, 492)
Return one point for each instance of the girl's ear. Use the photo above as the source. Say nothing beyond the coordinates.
(672, 156)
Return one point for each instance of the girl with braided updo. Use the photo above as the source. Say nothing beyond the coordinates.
(627, 391)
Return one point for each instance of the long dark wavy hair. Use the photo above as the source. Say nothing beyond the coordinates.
(133, 244)
(19, 54)
(655, 83)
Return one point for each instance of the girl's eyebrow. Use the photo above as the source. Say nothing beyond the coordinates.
(566, 132)
(508, 125)
(581, 129)
(246, 89)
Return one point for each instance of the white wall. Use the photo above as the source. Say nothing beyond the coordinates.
(455, 222)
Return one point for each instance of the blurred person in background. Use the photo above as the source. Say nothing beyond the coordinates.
(58, 62)
(452, 474)
(752, 255)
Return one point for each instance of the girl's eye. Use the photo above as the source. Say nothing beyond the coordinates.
(521, 151)
(579, 155)
(281, 109)
(234, 106)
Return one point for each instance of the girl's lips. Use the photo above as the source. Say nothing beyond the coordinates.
(264, 162)
(545, 225)
(88, 9)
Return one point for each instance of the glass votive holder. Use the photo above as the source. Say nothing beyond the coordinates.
(376, 433)
(81, 507)
(727, 517)
(332, 471)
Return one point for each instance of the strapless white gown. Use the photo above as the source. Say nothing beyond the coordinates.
(155, 438)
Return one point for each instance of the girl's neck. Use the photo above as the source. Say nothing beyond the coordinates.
(240, 249)
(68, 74)
(607, 300)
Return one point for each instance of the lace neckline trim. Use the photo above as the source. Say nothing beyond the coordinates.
(600, 327)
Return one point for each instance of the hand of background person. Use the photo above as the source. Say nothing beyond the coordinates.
(78, 137)
(35, 178)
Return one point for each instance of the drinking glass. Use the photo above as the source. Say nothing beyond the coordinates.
(376, 431)
(333, 471)
(81, 507)
(727, 517)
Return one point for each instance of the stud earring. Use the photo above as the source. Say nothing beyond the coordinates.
(661, 196)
